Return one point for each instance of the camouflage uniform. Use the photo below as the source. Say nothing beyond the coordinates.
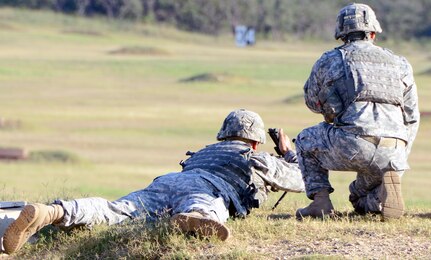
(384, 104)
(224, 179)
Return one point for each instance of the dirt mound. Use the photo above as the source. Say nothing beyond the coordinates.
(426, 72)
(58, 156)
(205, 77)
(83, 32)
(6, 26)
(138, 50)
(215, 78)
(294, 99)
(13, 153)
(426, 114)
(9, 124)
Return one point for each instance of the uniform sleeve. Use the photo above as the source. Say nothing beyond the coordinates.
(312, 88)
(290, 157)
(411, 106)
(277, 172)
(329, 68)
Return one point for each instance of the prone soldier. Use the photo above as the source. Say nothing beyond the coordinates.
(224, 179)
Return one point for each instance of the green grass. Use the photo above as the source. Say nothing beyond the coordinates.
(126, 118)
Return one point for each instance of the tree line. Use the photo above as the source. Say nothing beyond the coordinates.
(275, 19)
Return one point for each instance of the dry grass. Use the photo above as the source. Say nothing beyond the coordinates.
(127, 119)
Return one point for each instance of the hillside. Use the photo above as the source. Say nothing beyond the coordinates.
(272, 19)
(105, 106)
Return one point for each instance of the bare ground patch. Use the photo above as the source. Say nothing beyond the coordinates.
(139, 50)
(6, 26)
(350, 236)
(362, 244)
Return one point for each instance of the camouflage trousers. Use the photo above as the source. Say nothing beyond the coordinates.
(168, 194)
(324, 147)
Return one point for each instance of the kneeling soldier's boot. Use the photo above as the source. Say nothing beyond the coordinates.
(31, 219)
(197, 223)
(320, 207)
(390, 196)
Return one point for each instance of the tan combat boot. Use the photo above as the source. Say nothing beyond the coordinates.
(320, 207)
(31, 219)
(196, 222)
(390, 196)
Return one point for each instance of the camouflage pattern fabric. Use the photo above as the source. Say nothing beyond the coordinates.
(243, 123)
(228, 160)
(169, 194)
(193, 190)
(356, 18)
(324, 147)
(366, 118)
(341, 146)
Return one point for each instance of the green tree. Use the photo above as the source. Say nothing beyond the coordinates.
(276, 19)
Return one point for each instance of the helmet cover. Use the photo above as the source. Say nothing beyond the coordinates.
(245, 124)
(356, 18)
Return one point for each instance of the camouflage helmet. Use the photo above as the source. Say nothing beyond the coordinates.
(243, 123)
(356, 18)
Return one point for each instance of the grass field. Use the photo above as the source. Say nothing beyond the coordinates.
(110, 96)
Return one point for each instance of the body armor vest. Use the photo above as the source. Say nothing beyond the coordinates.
(229, 161)
(376, 74)
(371, 74)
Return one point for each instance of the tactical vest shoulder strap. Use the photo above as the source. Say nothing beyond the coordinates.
(349, 83)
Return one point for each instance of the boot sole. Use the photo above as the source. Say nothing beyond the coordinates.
(392, 199)
(17, 233)
(203, 226)
(300, 216)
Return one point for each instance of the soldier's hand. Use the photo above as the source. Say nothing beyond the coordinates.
(284, 142)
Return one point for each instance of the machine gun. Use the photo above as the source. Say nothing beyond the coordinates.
(274, 133)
